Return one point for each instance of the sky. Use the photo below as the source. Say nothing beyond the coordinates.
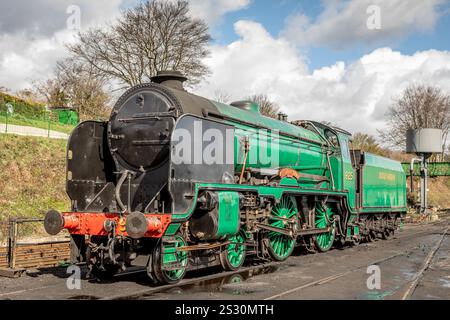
(342, 61)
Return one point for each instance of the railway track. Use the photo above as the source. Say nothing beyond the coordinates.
(257, 270)
(250, 271)
(35, 255)
(407, 294)
(410, 291)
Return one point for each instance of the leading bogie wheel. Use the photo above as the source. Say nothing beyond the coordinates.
(165, 256)
(280, 246)
(232, 256)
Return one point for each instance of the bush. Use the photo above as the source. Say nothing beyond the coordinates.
(22, 108)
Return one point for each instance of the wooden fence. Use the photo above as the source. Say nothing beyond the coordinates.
(31, 255)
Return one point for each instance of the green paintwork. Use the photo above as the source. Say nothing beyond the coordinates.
(348, 174)
(66, 116)
(229, 216)
(272, 192)
(172, 229)
(289, 182)
(293, 146)
(253, 107)
(171, 255)
(352, 231)
(263, 121)
(435, 169)
(305, 151)
(282, 245)
(384, 183)
(324, 241)
(236, 250)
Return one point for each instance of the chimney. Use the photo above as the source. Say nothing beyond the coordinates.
(171, 79)
(282, 116)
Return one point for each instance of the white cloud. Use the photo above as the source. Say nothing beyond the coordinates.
(354, 96)
(212, 11)
(45, 17)
(24, 60)
(344, 23)
(33, 33)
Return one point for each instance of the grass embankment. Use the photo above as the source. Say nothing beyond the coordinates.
(30, 113)
(42, 124)
(439, 192)
(32, 176)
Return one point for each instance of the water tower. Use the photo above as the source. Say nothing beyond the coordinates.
(423, 142)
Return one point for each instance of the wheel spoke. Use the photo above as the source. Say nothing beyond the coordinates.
(180, 257)
(235, 252)
(282, 245)
(324, 241)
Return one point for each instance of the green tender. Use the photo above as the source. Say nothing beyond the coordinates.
(384, 183)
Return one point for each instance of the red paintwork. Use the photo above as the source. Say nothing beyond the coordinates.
(83, 223)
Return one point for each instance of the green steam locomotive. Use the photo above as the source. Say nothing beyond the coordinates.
(175, 182)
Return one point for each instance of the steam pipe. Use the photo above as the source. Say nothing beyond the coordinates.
(424, 185)
(246, 150)
(117, 193)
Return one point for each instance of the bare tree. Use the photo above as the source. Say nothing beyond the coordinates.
(153, 36)
(28, 95)
(53, 92)
(76, 86)
(365, 142)
(221, 96)
(419, 106)
(266, 106)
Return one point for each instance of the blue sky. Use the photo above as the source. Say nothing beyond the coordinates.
(273, 14)
(319, 59)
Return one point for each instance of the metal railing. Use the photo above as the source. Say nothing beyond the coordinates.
(18, 254)
(435, 169)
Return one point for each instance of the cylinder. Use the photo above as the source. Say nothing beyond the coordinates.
(221, 220)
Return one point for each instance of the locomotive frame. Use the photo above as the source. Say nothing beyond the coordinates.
(134, 204)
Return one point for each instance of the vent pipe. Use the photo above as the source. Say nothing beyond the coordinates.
(282, 116)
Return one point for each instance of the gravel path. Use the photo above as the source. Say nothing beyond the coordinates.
(32, 131)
